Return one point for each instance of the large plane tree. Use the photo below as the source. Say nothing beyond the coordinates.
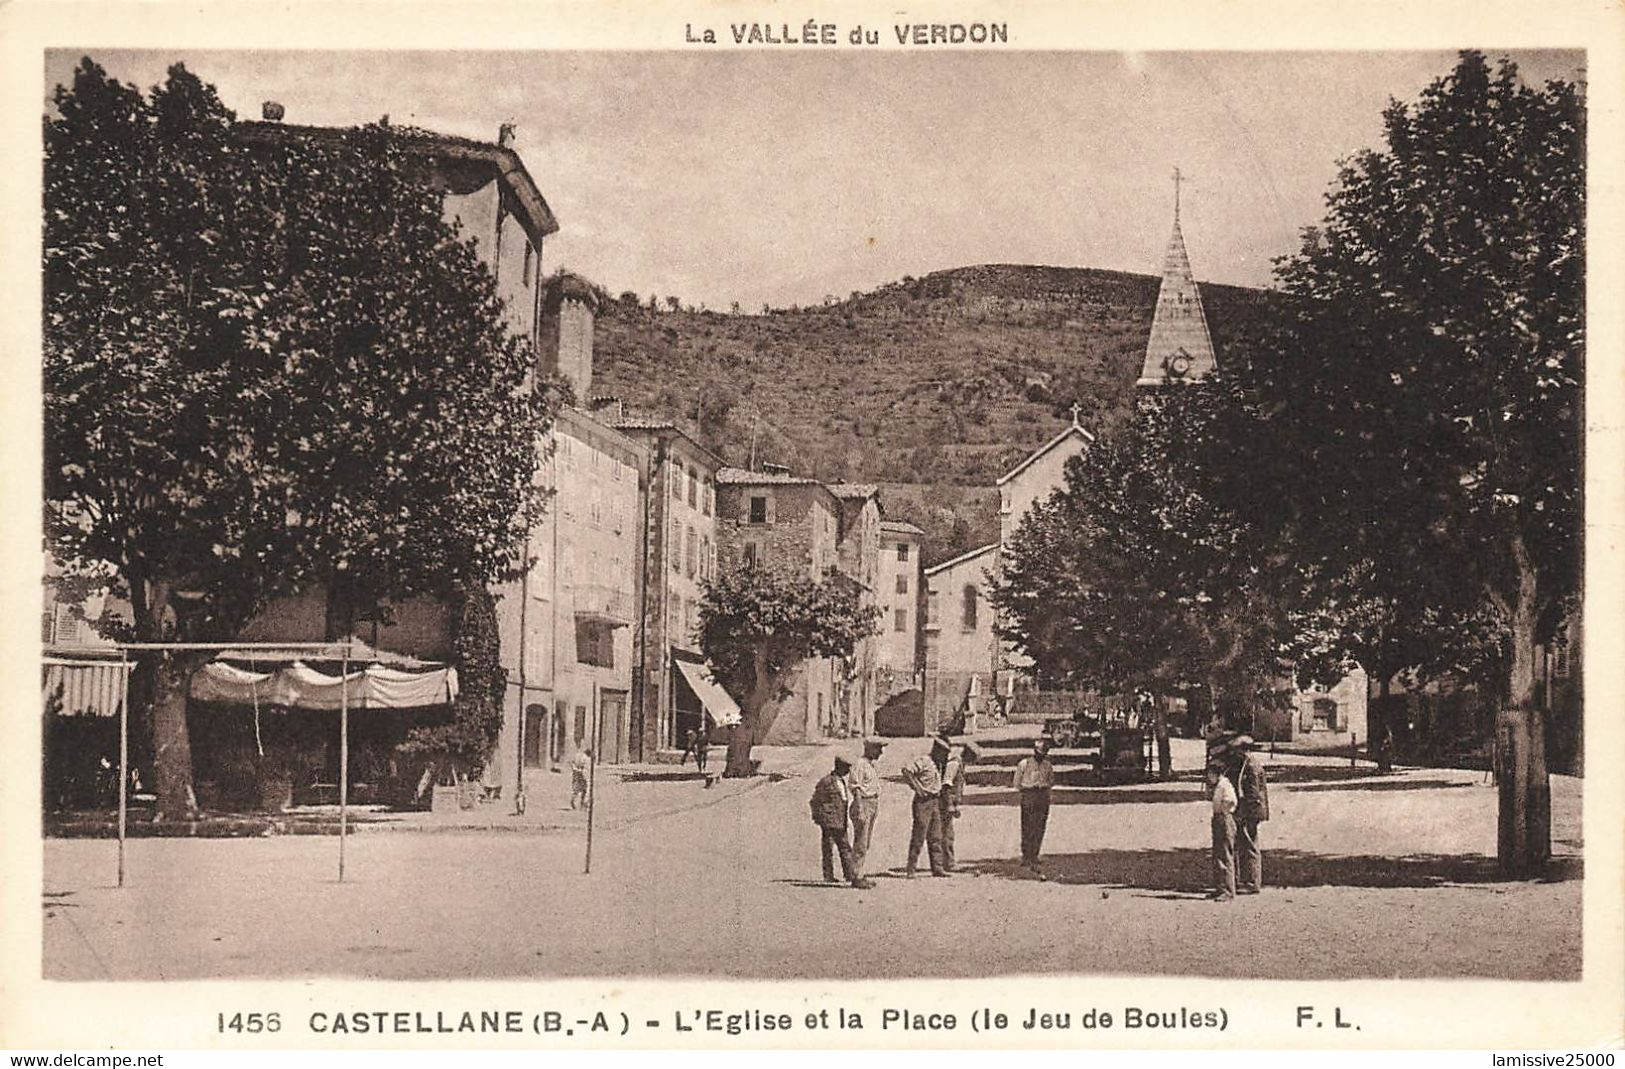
(262, 369)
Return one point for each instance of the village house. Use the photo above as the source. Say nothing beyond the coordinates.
(673, 683)
(960, 647)
(858, 558)
(902, 598)
(772, 519)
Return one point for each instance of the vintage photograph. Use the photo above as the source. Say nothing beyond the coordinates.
(811, 515)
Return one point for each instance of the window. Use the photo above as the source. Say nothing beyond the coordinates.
(710, 496)
(902, 584)
(693, 488)
(705, 556)
(581, 725)
(690, 552)
(751, 555)
(901, 620)
(676, 549)
(969, 620)
(677, 480)
(758, 510)
(902, 552)
(595, 643)
(931, 610)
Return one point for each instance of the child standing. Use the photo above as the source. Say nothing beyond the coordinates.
(1224, 833)
(580, 765)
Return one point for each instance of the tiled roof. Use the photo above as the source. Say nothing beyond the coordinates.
(741, 477)
(642, 423)
(854, 489)
(962, 558)
(900, 527)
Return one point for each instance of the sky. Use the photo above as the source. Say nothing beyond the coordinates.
(780, 179)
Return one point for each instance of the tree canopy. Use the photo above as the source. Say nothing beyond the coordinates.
(266, 365)
(757, 625)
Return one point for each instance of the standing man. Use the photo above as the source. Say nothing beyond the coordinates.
(831, 808)
(702, 742)
(924, 777)
(866, 802)
(1252, 809)
(1035, 777)
(953, 796)
(1224, 832)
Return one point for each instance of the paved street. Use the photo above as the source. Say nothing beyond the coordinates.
(1370, 877)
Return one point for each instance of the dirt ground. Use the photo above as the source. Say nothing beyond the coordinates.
(1367, 876)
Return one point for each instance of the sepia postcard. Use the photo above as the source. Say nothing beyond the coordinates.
(716, 526)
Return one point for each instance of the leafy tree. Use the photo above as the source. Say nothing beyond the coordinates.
(266, 365)
(757, 626)
(1130, 579)
(1425, 380)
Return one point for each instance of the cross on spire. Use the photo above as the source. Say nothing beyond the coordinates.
(1177, 179)
(1076, 408)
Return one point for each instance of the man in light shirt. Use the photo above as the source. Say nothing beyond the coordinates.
(924, 777)
(1224, 832)
(1035, 777)
(866, 801)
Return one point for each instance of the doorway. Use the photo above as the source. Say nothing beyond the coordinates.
(612, 726)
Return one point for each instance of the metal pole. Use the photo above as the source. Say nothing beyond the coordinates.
(592, 774)
(123, 762)
(344, 754)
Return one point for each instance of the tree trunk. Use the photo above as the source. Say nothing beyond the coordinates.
(172, 745)
(1524, 834)
(740, 741)
(1377, 742)
(1165, 754)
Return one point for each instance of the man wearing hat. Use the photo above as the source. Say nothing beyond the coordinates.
(953, 796)
(831, 807)
(1252, 809)
(865, 801)
(1035, 777)
(924, 776)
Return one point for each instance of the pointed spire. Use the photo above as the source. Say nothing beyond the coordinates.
(1180, 348)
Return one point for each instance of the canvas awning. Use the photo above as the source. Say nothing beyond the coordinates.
(84, 686)
(302, 687)
(722, 709)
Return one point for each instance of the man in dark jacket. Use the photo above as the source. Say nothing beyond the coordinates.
(831, 809)
(1252, 809)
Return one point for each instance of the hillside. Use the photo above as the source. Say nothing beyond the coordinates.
(934, 386)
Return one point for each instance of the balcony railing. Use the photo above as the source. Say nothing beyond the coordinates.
(605, 604)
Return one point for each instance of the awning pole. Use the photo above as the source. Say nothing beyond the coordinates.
(344, 753)
(123, 763)
(592, 774)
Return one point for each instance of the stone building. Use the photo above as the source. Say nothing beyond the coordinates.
(772, 519)
(901, 594)
(858, 558)
(961, 650)
(680, 557)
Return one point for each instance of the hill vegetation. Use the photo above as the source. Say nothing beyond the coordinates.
(933, 386)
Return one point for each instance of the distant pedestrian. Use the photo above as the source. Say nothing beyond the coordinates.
(953, 796)
(924, 777)
(865, 802)
(690, 740)
(702, 743)
(580, 764)
(1223, 793)
(831, 811)
(1034, 779)
(1252, 809)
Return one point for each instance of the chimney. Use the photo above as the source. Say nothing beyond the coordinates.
(566, 334)
(271, 111)
(505, 134)
(775, 469)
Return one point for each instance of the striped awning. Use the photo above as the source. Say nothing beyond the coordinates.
(85, 687)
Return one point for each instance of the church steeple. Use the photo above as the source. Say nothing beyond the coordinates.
(1180, 349)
